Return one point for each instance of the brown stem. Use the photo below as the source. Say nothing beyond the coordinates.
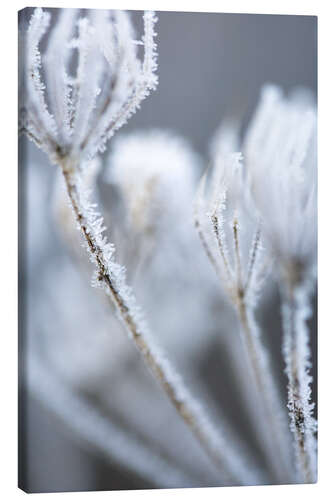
(296, 405)
(180, 398)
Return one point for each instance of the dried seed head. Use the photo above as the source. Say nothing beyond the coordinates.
(87, 82)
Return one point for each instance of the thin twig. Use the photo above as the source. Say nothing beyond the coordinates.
(264, 383)
(225, 458)
(221, 244)
(297, 359)
(265, 389)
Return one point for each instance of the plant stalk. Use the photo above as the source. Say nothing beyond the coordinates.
(266, 391)
(225, 459)
(295, 311)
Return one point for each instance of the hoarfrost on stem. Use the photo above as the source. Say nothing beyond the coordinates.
(83, 104)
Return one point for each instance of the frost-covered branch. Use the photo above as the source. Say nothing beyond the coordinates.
(111, 277)
(76, 111)
(296, 309)
(88, 107)
(232, 241)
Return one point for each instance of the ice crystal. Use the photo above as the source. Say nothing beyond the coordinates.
(297, 357)
(155, 173)
(80, 105)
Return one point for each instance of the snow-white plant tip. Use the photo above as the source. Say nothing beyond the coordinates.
(71, 117)
(75, 111)
(280, 148)
(232, 240)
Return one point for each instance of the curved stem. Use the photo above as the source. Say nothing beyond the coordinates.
(276, 431)
(229, 461)
(265, 388)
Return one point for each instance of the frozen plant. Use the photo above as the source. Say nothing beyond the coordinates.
(269, 195)
(70, 117)
(232, 240)
(79, 107)
(280, 149)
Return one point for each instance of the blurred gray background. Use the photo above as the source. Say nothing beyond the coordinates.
(210, 66)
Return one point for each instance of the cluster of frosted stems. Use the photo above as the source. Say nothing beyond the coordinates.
(260, 210)
(82, 88)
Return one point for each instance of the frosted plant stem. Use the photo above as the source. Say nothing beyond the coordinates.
(206, 247)
(259, 363)
(267, 392)
(264, 383)
(229, 461)
(295, 311)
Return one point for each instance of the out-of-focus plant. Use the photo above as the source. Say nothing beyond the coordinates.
(232, 240)
(250, 211)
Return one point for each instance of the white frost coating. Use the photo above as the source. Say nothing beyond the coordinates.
(89, 73)
(107, 87)
(232, 239)
(145, 81)
(297, 357)
(150, 57)
(57, 82)
(226, 451)
(114, 442)
(280, 152)
(237, 241)
(35, 87)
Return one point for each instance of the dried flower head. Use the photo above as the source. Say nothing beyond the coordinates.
(87, 82)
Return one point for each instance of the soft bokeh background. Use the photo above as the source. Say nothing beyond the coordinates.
(211, 66)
